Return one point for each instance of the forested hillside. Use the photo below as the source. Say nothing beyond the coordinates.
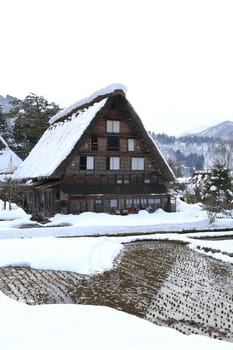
(189, 153)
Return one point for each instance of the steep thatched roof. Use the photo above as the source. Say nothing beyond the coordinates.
(67, 128)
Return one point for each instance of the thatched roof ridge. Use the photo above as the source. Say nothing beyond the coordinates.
(113, 89)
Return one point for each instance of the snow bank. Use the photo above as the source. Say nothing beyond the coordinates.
(80, 255)
(186, 213)
(25, 327)
(12, 218)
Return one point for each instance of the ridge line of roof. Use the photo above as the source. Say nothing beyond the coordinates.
(108, 90)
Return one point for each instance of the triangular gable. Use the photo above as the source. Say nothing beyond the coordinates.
(159, 163)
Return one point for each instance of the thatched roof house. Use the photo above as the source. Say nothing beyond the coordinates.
(97, 156)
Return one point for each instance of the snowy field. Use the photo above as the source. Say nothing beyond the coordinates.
(24, 327)
(92, 327)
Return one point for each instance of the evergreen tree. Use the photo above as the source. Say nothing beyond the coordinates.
(33, 114)
(3, 124)
(218, 188)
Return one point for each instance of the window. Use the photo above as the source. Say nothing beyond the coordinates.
(113, 203)
(130, 145)
(41, 196)
(86, 163)
(143, 201)
(113, 143)
(113, 163)
(129, 203)
(113, 126)
(137, 164)
(94, 143)
(98, 205)
(154, 201)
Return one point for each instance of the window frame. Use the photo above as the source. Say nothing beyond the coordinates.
(113, 163)
(138, 163)
(113, 126)
(131, 145)
(88, 164)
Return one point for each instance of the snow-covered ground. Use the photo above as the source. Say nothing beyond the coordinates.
(24, 327)
(87, 327)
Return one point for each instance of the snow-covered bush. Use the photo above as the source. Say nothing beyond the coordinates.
(218, 188)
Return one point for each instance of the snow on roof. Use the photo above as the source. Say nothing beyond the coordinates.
(9, 161)
(102, 92)
(56, 144)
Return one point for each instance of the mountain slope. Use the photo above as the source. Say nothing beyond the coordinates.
(198, 151)
(223, 130)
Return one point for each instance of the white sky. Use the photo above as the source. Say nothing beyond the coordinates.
(175, 57)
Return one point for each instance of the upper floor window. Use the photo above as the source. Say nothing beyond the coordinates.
(113, 126)
(86, 163)
(130, 145)
(94, 143)
(137, 164)
(113, 143)
(113, 163)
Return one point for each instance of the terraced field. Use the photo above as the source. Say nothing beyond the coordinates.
(164, 282)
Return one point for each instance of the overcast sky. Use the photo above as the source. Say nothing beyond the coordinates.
(175, 57)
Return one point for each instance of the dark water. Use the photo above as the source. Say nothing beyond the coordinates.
(164, 282)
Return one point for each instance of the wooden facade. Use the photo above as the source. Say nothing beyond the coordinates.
(114, 167)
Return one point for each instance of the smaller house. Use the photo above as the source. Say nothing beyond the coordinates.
(95, 156)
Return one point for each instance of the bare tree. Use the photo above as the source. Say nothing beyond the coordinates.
(8, 192)
(224, 155)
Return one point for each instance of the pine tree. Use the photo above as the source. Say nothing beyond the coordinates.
(33, 114)
(218, 188)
